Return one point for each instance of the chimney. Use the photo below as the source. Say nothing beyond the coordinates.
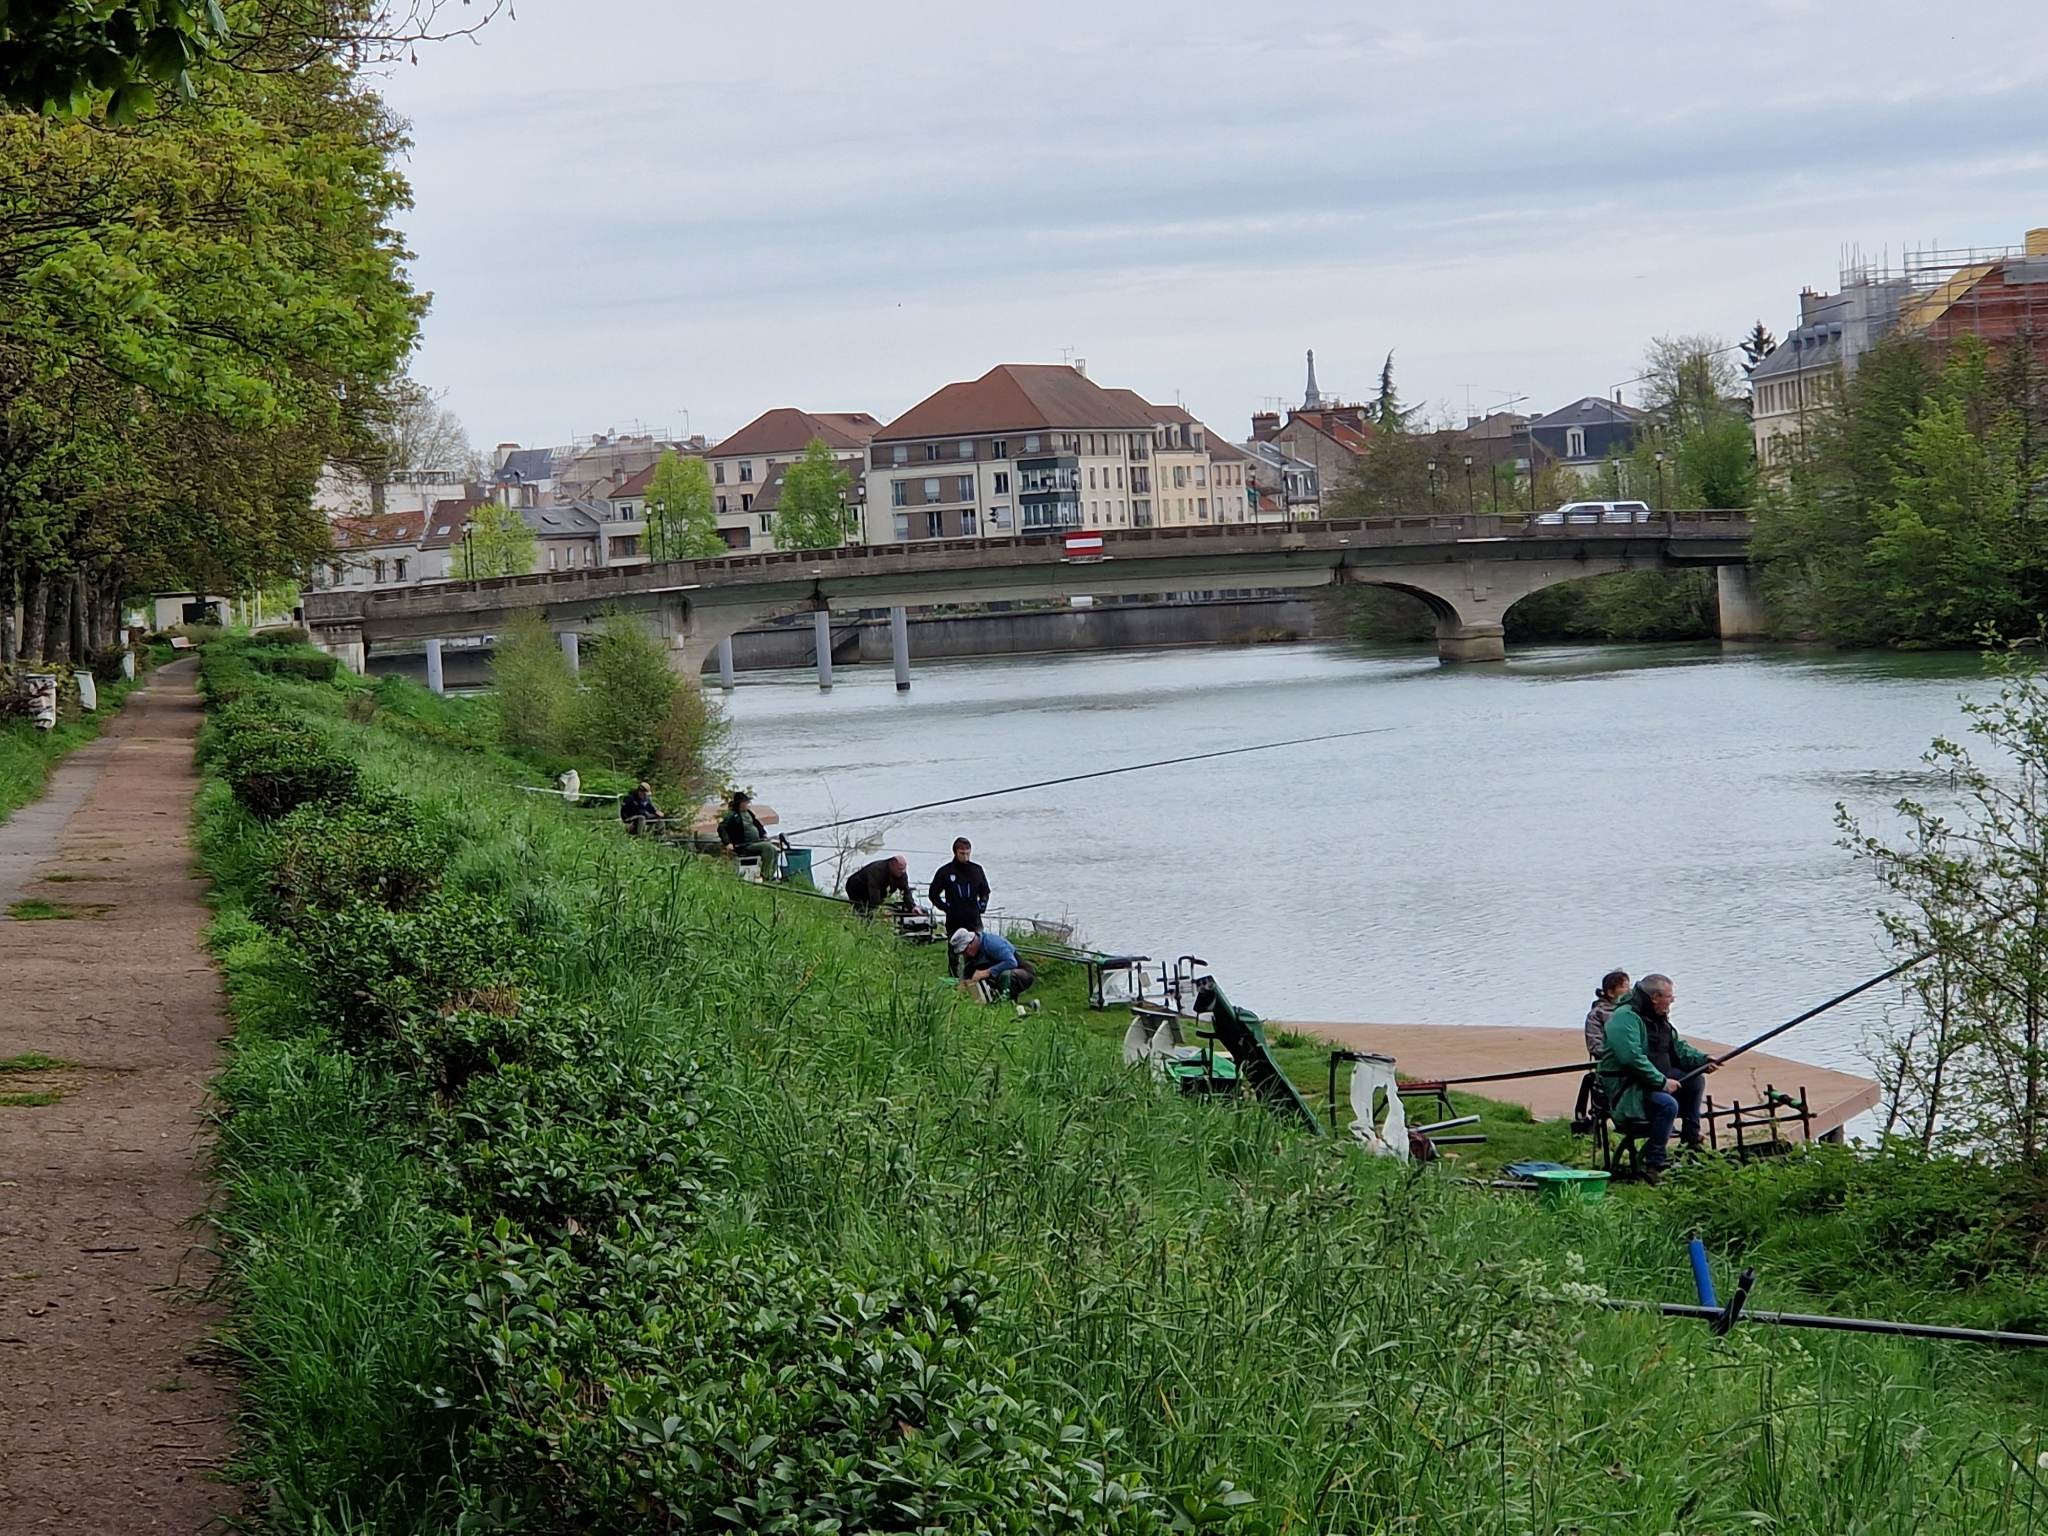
(1265, 426)
(1081, 366)
(2037, 242)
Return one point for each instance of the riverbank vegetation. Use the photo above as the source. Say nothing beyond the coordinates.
(571, 1184)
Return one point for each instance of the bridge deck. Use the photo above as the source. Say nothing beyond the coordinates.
(1469, 1050)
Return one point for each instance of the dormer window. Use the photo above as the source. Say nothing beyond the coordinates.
(1575, 442)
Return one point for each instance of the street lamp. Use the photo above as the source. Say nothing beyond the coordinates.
(1470, 505)
(1432, 482)
(1659, 457)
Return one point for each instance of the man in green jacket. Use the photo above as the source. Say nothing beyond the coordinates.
(1650, 1075)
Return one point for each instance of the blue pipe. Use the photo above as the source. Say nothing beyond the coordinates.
(1702, 1276)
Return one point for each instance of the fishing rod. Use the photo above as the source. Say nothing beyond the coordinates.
(1100, 773)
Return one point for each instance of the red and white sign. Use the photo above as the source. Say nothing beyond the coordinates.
(1084, 546)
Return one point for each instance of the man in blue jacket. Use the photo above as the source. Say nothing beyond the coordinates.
(989, 962)
(960, 891)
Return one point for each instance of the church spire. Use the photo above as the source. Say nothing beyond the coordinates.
(1313, 400)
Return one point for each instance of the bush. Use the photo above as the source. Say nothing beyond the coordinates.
(274, 771)
(532, 687)
(289, 635)
(381, 850)
(636, 714)
(312, 666)
(106, 665)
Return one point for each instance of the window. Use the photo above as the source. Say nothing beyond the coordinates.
(931, 491)
(934, 525)
(1180, 475)
(1575, 442)
(767, 523)
(1138, 445)
(999, 517)
(999, 449)
(721, 506)
(627, 548)
(899, 454)
(718, 474)
(1202, 508)
(902, 521)
(1091, 478)
(746, 471)
(966, 450)
(967, 522)
(931, 453)
(747, 503)
(1031, 443)
(398, 570)
(1002, 482)
(1201, 474)
(1119, 477)
(899, 493)
(379, 577)
(966, 488)
(551, 557)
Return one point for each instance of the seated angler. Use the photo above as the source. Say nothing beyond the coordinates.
(741, 834)
(989, 964)
(1613, 988)
(1650, 1075)
(638, 810)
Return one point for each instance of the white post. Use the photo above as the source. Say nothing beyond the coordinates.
(899, 647)
(435, 684)
(725, 664)
(821, 629)
(572, 647)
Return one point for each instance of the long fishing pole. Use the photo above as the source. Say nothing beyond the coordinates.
(1100, 773)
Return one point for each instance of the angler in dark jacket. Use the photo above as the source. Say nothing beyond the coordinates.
(872, 884)
(740, 832)
(960, 890)
(1644, 1069)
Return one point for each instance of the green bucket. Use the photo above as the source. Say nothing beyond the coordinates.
(1570, 1186)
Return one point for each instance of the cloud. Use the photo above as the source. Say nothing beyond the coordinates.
(626, 207)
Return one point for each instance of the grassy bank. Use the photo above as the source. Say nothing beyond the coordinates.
(571, 1186)
(27, 755)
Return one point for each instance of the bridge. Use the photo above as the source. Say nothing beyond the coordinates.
(1467, 570)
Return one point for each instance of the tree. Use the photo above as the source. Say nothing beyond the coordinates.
(1756, 346)
(812, 512)
(680, 521)
(638, 715)
(415, 435)
(1966, 1067)
(532, 688)
(498, 543)
(1385, 411)
(1687, 379)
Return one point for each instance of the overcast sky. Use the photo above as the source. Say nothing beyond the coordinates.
(633, 209)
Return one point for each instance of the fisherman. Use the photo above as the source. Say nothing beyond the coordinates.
(960, 890)
(992, 968)
(638, 810)
(1613, 988)
(872, 884)
(741, 834)
(1650, 1075)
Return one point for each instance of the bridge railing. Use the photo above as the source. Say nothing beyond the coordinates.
(1391, 529)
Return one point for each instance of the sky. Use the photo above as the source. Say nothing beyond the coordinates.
(639, 214)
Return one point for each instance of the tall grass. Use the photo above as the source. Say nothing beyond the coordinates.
(1266, 1331)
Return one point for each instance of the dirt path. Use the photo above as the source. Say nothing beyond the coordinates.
(111, 1417)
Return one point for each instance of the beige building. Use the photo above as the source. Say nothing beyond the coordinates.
(1034, 448)
(1230, 472)
(1805, 370)
(743, 464)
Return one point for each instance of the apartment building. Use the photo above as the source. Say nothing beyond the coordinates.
(1035, 447)
(1806, 369)
(1283, 488)
(1230, 481)
(743, 464)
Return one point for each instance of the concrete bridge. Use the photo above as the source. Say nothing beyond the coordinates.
(1468, 570)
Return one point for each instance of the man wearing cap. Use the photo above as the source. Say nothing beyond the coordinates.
(989, 964)
(743, 836)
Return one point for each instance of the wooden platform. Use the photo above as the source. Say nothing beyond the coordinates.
(1469, 1050)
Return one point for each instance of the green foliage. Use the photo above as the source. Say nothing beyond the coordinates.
(812, 513)
(273, 762)
(635, 713)
(1911, 509)
(63, 58)
(497, 543)
(314, 666)
(532, 688)
(380, 849)
(681, 522)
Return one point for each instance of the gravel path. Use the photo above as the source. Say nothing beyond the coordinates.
(113, 1417)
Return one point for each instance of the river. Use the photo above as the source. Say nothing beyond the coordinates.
(1515, 831)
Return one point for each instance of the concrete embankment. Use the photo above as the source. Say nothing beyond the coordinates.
(856, 640)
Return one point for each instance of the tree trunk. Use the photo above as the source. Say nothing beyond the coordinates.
(79, 639)
(34, 611)
(57, 638)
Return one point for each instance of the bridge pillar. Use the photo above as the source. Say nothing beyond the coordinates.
(1742, 610)
(572, 648)
(344, 642)
(435, 682)
(1457, 640)
(899, 647)
(725, 663)
(821, 629)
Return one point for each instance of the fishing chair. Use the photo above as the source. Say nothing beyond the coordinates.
(1618, 1144)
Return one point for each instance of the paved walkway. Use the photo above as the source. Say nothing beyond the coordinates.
(112, 1414)
(1467, 1050)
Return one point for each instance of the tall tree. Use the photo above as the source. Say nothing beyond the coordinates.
(1386, 412)
(414, 434)
(812, 512)
(1756, 346)
(681, 524)
(498, 543)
